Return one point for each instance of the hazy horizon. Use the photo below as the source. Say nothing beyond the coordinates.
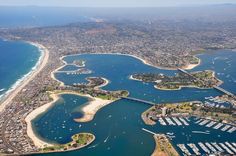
(109, 3)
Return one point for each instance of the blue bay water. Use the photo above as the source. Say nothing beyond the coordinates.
(16, 60)
(117, 127)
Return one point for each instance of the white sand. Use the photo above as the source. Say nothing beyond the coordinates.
(106, 82)
(91, 108)
(30, 132)
(41, 65)
(191, 66)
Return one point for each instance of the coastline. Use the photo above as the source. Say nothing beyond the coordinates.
(89, 110)
(191, 66)
(32, 115)
(91, 107)
(106, 82)
(188, 67)
(19, 85)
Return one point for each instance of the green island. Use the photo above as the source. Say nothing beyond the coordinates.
(79, 140)
(80, 63)
(93, 88)
(201, 79)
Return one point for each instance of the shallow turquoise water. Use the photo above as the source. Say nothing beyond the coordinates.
(117, 127)
(16, 60)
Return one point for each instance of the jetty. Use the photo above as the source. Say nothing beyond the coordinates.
(139, 100)
(148, 131)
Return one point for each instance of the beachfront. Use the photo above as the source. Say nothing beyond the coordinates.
(38, 68)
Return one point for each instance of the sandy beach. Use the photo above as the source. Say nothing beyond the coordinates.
(93, 105)
(30, 132)
(191, 66)
(132, 78)
(42, 62)
(188, 67)
(91, 108)
(106, 82)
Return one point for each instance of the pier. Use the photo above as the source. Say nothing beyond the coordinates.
(148, 131)
(139, 100)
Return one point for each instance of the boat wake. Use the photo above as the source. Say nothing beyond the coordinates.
(200, 132)
(93, 146)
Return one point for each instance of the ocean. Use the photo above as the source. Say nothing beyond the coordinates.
(16, 61)
(32, 16)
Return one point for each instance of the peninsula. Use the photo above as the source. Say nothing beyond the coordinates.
(202, 79)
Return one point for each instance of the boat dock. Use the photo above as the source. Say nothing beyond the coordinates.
(226, 148)
(184, 149)
(217, 147)
(173, 121)
(194, 148)
(204, 148)
(209, 148)
(184, 121)
(216, 125)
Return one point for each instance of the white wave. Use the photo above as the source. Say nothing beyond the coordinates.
(2, 89)
(20, 80)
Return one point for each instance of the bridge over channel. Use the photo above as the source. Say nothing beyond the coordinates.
(216, 87)
(139, 100)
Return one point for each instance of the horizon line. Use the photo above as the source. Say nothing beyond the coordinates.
(170, 6)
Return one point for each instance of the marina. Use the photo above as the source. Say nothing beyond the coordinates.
(194, 148)
(177, 121)
(232, 130)
(119, 78)
(162, 122)
(169, 121)
(216, 125)
(204, 148)
(210, 124)
(203, 122)
(184, 149)
(208, 148)
(217, 147)
(226, 127)
(226, 148)
(184, 121)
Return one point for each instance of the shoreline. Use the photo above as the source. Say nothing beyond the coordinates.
(188, 67)
(34, 114)
(191, 66)
(106, 82)
(19, 85)
(90, 109)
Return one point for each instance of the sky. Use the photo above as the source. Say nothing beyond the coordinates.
(112, 3)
